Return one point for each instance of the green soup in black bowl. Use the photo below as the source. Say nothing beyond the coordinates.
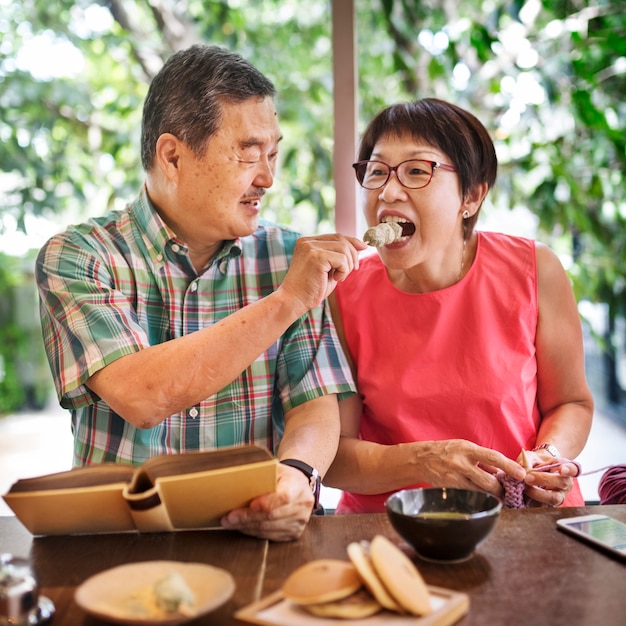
(443, 524)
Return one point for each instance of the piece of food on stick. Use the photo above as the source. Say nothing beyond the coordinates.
(382, 234)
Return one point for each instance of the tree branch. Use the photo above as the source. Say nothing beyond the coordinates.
(175, 32)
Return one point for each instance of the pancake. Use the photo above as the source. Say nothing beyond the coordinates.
(355, 606)
(400, 576)
(322, 580)
(359, 555)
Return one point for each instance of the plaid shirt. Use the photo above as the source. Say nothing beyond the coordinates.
(121, 283)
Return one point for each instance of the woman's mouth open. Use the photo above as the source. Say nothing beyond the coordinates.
(408, 228)
(391, 230)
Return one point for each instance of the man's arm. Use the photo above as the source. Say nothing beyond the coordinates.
(312, 433)
(148, 386)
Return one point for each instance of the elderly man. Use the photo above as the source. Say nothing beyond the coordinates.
(185, 322)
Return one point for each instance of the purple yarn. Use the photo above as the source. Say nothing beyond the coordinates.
(612, 486)
(514, 489)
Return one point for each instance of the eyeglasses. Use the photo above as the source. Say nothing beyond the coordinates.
(413, 174)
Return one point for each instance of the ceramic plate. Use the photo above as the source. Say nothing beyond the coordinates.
(105, 595)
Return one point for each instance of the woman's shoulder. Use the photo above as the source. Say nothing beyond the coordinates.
(497, 239)
(506, 247)
(505, 262)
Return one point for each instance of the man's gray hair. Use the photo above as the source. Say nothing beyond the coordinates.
(185, 98)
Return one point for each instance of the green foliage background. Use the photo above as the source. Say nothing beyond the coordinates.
(69, 142)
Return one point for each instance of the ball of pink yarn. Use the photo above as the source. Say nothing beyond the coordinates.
(612, 486)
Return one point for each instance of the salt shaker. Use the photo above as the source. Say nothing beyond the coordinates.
(20, 602)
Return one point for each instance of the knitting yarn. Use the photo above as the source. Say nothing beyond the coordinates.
(612, 486)
(514, 489)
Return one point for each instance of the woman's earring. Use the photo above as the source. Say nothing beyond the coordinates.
(465, 214)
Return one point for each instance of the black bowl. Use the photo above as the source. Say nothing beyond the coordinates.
(443, 524)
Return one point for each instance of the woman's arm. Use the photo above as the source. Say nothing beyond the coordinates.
(564, 398)
(369, 468)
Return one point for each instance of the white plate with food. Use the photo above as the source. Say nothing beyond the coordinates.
(155, 592)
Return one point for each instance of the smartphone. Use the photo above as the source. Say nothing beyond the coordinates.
(601, 531)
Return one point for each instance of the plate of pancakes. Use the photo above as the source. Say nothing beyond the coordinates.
(377, 584)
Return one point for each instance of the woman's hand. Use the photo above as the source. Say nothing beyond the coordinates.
(549, 486)
(463, 464)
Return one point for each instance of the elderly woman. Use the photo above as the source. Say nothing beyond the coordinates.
(466, 346)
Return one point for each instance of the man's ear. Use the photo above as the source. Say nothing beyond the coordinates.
(167, 155)
(474, 198)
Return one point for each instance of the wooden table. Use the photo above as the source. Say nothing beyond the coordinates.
(526, 572)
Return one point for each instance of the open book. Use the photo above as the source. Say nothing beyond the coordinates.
(168, 492)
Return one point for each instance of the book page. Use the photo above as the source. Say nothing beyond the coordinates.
(200, 499)
(190, 462)
(89, 476)
(91, 509)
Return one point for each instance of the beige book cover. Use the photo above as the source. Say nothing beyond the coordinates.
(167, 493)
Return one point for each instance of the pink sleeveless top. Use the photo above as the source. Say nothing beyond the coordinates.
(458, 363)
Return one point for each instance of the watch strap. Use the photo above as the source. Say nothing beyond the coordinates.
(549, 448)
(315, 480)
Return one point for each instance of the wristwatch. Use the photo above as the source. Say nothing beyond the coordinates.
(550, 448)
(311, 473)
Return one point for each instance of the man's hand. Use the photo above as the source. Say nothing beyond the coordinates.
(278, 516)
(318, 264)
